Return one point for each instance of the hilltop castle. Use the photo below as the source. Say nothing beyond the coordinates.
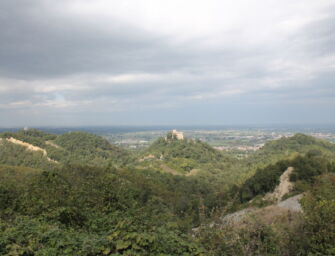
(177, 135)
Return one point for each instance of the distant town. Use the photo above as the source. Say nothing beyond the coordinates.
(240, 141)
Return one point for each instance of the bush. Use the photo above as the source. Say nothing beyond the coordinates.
(319, 208)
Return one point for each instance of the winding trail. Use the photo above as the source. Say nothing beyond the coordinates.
(284, 187)
(279, 207)
(31, 147)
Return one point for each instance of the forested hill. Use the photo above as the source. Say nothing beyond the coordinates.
(77, 201)
(50, 149)
(188, 157)
(297, 143)
(90, 148)
(288, 147)
(77, 194)
(306, 168)
(196, 150)
(309, 156)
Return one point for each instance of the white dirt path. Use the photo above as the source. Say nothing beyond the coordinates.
(31, 147)
(284, 187)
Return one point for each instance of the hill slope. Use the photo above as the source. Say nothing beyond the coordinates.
(35, 148)
(93, 202)
(86, 148)
(284, 147)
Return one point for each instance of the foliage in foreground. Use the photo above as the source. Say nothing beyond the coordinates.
(294, 234)
(319, 208)
(94, 211)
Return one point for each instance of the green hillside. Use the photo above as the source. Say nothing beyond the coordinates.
(94, 211)
(285, 147)
(16, 155)
(306, 168)
(186, 155)
(195, 150)
(86, 148)
(85, 196)
(75, 147)
(32, 136)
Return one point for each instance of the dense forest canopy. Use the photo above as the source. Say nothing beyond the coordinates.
(77, 194)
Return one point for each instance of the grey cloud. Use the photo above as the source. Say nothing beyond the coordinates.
(320, 36)
(41, 45)
(37, 43)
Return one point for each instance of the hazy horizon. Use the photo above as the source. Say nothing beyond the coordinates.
(103, 129)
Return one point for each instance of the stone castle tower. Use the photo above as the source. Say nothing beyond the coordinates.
(178, 135)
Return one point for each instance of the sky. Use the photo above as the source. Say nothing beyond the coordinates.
(154, 62)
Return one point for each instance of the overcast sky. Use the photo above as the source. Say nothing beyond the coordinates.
(141, 62)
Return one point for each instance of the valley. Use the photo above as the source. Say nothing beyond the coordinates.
(236, 140)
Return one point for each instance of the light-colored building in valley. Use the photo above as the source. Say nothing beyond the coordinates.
(179, 135)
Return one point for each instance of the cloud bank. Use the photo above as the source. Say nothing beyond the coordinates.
(166, 62)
